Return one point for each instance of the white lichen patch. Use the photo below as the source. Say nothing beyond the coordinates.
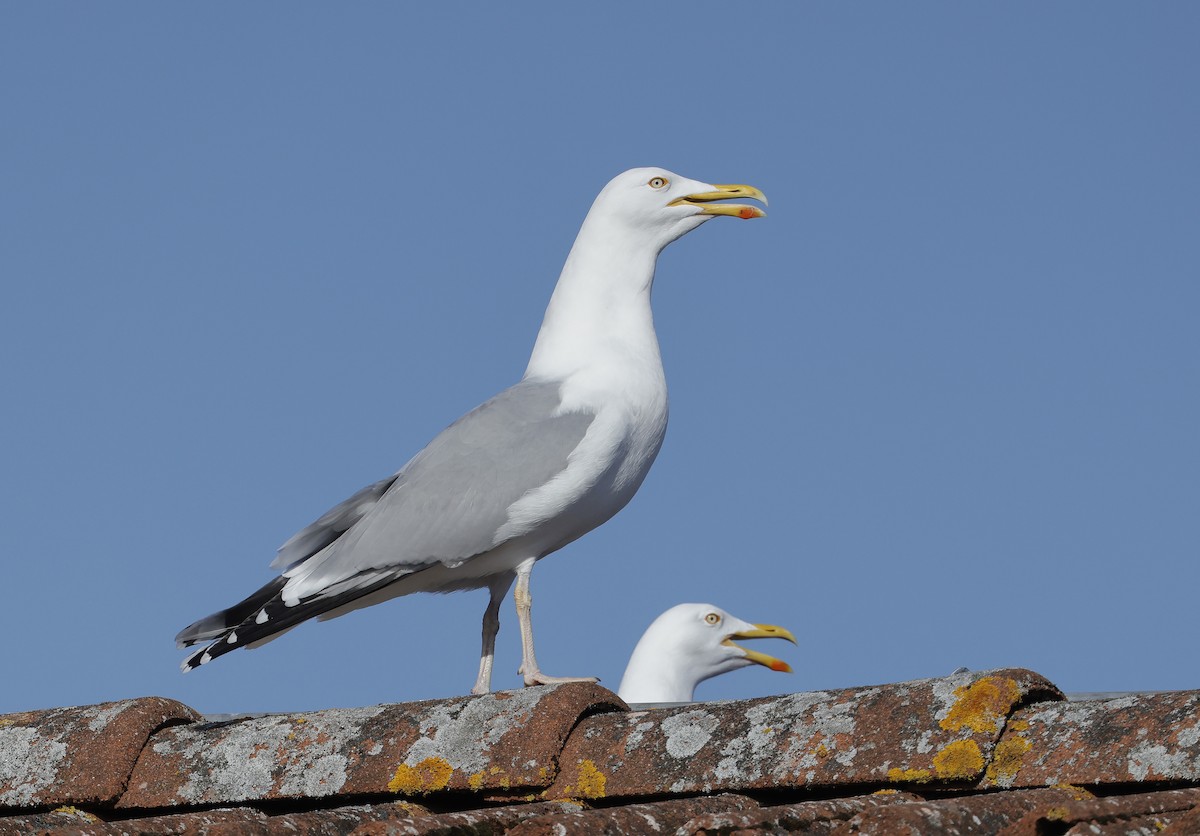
(946, 690)
(688, 733)
(743, 756)
(833, 719)
(323, 776)
(292, 755)
(845, 757)
(651, 823)
(1157, 761)
(235, 768)
(462, 733)
(923, 746)
(1190, 736)
(28, 764)
(804, 726)
(634, 738)
(101, 718)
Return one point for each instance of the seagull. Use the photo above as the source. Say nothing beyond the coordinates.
(688, 644)
(530, 470)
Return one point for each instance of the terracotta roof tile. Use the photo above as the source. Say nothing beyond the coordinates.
(78, 755)
(970, 814)
(1101, 812)
(983, 752)
(930, 730)
(1182, 824)
(1137, 738)
(397, 818)
(506, 740)
(661, 817)
(240, 821)
(54, 820)
(805, 817)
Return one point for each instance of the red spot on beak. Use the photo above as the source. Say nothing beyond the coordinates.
(782, 667)
(746, 214)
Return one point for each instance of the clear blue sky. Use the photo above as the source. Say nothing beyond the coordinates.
(939, 408)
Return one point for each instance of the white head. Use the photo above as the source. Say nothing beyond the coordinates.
(688, 644)
(602, 298)
(657, 206)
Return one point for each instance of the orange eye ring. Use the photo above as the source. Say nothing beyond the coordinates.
(657, 183)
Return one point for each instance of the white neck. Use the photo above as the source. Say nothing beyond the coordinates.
(600, 309)
(655, 677)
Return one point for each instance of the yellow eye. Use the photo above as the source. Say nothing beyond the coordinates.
(657, 182)
(712, 618)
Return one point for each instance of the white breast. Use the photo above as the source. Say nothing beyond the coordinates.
(608, 466)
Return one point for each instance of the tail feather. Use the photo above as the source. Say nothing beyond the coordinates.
(221, 622)
(264, 616)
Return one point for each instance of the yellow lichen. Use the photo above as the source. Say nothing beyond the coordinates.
(960, 759)
(75, 811)
(1007, 760)
(822, 751)
(983, 705)
(1080, 793)
(428, 775)
(886, 792)
(591, 780)
(411, 809)
(918, 776)
(475, 782)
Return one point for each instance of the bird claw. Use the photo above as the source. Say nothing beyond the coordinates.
(539, 678)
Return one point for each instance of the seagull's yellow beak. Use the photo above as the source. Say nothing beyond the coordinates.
(736, 210)
(763, 631)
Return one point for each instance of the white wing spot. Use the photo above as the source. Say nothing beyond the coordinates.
(262, 617)
(232, 638)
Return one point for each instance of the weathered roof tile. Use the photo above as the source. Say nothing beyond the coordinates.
(408, 819)
(239, 821)
(506, 740)
(805, 817)
(972, 753)
(484, 821)
(1136, 738)
(1182, 824)
(77, 755)
(986, 813)
(658, 817)
(929, 730)
(1097, 813)
(52, 821)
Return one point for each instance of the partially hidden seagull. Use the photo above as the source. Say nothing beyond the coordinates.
(688, 644)
(524, 474)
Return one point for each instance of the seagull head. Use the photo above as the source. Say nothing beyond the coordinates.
(688, 644)
(661, 206)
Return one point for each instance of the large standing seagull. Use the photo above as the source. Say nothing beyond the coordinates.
(534, 468)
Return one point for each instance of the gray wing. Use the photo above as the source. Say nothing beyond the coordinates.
(449, 502)
(333, 524)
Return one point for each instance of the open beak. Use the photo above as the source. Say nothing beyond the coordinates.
(736, 210)
(763, 631)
